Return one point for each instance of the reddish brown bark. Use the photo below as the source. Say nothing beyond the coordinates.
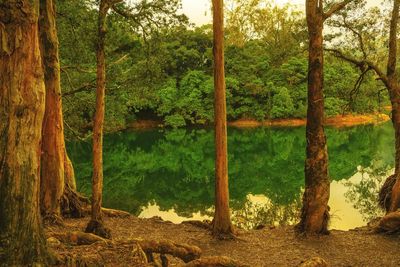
(96, 223)
(22, 95)
(53, 146)
(58, 186)
(315, 210)
(222, 222)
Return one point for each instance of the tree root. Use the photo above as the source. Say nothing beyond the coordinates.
(52, 219)
(385, 193)
(108, 212)
(184, 252)
(390, 223)
(78, 238)
(73, 203)
(98, 228)
(216, 261)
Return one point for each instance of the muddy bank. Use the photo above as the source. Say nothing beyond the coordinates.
(267, 247)
(336, 121)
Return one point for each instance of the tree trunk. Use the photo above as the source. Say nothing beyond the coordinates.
(96, 224)
(53, 146)
(58, 186)
(22, 96)
(222, 222)
(315, 213)
(394, 93)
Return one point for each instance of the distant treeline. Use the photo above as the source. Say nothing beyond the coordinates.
(165, 73)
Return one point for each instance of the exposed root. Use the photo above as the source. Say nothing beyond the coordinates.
(73, 203)
(385, 193)
(184, 252)
(77, 238)
(98, 228)
(217, 261)
(52, 219)
(390, 223)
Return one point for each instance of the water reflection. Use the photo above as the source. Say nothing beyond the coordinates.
(170, 174)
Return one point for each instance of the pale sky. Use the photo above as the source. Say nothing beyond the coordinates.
(199, 10)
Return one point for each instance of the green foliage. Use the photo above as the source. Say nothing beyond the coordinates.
(283, 104)
(159, 68)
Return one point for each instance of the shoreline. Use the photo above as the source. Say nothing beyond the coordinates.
(338, 121)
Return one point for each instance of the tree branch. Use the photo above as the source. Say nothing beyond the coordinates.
(362, 64)
(335, 8)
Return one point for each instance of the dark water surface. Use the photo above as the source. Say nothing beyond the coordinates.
(169, 173)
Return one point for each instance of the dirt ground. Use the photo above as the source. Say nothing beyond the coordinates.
(266, 247)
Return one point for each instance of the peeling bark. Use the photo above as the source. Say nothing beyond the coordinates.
(22, 96)
(58, 186)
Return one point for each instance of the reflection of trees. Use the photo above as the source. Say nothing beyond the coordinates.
(364, 194)
(175, 168)
(252, 214)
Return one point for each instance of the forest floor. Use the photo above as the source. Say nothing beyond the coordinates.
(266, 247)
(335, 121)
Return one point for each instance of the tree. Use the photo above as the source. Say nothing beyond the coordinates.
(57, 175)
(315, 212)
(22, 92)
(96, 223)
(391, 82)
(222, 221)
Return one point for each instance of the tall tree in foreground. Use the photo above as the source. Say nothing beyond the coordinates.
(315, 211)
(22, 95)
(57, 184)
(222, 222)
(96, 223)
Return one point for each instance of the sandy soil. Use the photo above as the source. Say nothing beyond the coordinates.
(267, 247)
(336, 121)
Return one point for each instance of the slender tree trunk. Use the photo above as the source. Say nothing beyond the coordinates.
(53, 146)
(394, 92)
(22, 96)
(96, 223)
(315, 213)
(222, 222)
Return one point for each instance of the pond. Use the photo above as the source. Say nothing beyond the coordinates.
(170, 173)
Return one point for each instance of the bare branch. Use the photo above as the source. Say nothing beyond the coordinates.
(335, 8)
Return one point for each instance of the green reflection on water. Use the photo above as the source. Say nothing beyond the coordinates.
(170, 173)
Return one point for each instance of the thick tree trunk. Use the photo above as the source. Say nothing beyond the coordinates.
(58, 186)
(96, 224)
(22, 96)
(222, 222)
(315, 213)
(53, 146)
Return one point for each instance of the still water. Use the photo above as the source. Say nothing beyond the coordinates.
(170, 173)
